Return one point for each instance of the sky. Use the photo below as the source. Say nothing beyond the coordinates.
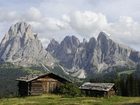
(120, 19)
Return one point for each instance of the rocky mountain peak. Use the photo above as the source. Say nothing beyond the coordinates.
(21, 46)
(21, 29)
(53, 45)
(53, 41)
(70, 41)
(102, 36)
(92, 40)
(103, 44)
(94, 55)
(91, 45)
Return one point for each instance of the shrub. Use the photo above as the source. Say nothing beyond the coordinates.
(70, 90)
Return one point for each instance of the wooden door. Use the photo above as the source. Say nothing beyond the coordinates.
(49, 87)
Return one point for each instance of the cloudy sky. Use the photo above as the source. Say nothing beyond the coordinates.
(82, 18)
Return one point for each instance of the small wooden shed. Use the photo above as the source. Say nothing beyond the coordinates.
(39, 84)
(98, 89)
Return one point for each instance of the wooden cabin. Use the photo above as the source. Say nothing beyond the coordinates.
(98, 89)
(39, 84)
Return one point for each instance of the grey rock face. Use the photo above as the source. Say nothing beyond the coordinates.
(110, 53)
(22, 47)
(65, 53)
(73, 54)
(53, 46)
(135, 56)
(94, 55)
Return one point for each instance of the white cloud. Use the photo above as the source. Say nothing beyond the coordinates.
(46, 27)
(33, 14)
(87, 22)
(7, 16)
(54, 24)
(126, 30)
(58, 18)
(42, 23)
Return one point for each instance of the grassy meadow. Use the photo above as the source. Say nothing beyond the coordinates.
(60, 100)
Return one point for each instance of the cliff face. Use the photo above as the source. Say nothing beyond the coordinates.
(22, 47)
(94, 55)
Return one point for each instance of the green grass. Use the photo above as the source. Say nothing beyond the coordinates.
(59, 100)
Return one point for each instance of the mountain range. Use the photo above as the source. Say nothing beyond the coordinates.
(21, 47)
(96, 55)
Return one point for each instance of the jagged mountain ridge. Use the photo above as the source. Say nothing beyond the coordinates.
(22, 47)
(95, 55)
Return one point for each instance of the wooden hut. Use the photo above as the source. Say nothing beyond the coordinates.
(98, 89)
(39, 84)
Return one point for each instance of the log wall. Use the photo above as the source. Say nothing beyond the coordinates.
(44, 85)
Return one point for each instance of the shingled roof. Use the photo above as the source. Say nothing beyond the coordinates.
(32, 77)
(97, 86)
(28, 78)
